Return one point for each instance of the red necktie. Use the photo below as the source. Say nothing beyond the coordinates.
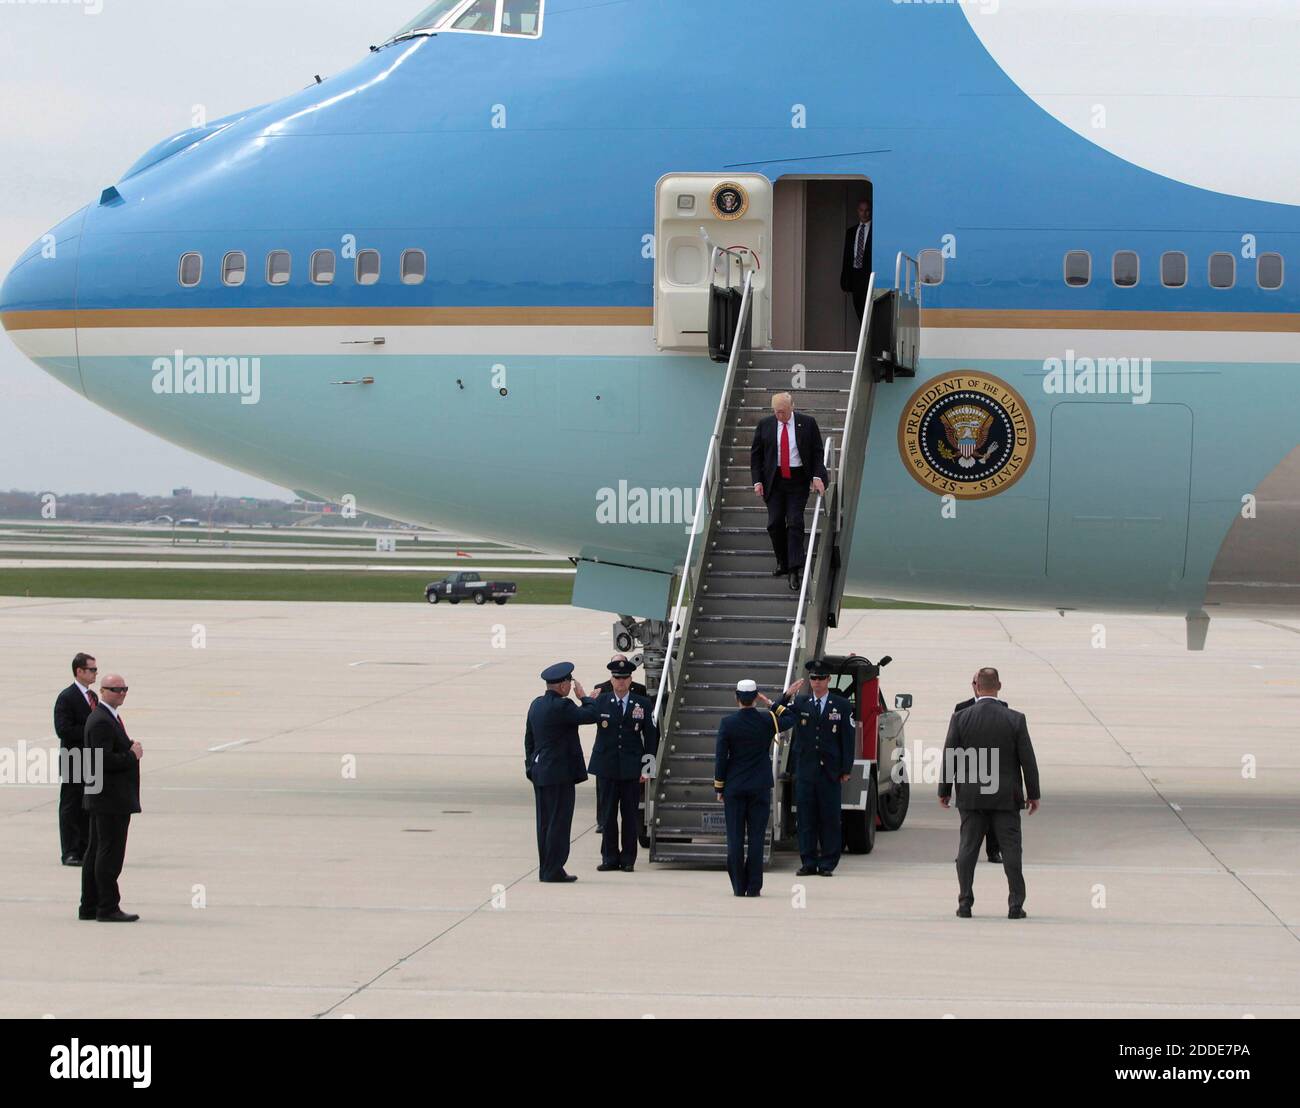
(122, 726)
(785, 450)
(94, 700)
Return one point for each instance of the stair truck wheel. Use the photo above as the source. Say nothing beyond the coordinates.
(893, 806)
(860, 827)
(480, 599)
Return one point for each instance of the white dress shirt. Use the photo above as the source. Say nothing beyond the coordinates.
(795, 459)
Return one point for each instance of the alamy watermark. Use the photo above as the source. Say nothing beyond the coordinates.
(212, 376)
(22, 764)
(1073, 375)
(89, 7)
(634, 504)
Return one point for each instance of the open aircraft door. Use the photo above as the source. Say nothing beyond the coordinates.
(711, 231)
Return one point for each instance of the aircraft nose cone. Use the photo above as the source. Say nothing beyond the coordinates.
(38, 302)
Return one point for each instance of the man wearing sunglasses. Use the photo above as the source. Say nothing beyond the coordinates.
(114, 761)
(72, 708)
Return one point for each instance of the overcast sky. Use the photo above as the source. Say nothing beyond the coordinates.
(83, 96)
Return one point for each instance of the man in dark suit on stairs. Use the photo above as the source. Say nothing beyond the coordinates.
(785, 461)
(987, 754)
(112, 797)
(72, 708)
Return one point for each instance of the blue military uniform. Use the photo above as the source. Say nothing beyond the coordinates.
(553, 762)
(625, 735)
(742, 772)
(822, 750)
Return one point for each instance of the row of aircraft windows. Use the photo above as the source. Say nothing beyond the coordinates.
(1126, 268)
(321, 268)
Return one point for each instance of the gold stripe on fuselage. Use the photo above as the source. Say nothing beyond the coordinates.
(1008, 318)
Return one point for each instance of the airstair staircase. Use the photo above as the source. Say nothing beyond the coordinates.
(733, 619)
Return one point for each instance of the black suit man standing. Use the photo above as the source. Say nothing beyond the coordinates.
(553, 762)
(991, 836)
(855, 273)
(785, 460)
(987, 754)
(112, 797)
(72, 708)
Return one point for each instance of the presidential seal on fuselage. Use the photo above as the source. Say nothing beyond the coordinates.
(966, 434)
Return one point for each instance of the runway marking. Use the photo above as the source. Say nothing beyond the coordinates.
(227, 746)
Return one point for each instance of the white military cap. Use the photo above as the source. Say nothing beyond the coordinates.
(747, 686)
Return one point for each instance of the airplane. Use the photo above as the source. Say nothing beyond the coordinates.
(464, 283)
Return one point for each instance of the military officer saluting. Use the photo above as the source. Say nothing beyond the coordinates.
(625, 735)
(553, 763)
(822, 749)
(742, 779)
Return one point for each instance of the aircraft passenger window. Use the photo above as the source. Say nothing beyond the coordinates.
(1268, 271)
(1223, 271)
(521, 17)
(930, 265)
(1173, 269)
(191, 269)
(322, 267)
(480, 16)
(413, 267)
(1124, 269)
(233, 269)
(1078, 268)
(279, 265)
(367, 267)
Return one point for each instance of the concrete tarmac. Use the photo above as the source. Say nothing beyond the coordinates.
(336, 823)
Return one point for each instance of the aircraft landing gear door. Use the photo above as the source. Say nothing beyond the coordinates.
(711, 231)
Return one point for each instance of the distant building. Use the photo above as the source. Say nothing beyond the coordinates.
(178, 493)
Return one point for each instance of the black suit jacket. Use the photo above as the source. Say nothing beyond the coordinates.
(849, 277)
(118, 768)
(986, 727)
(765, 453)
(71, 710)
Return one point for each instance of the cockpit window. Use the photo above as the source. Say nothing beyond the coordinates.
(520, 18)
(429, 19)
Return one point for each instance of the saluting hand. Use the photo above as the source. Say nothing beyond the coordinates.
(577, 688)
(763, 699)
(794, 689)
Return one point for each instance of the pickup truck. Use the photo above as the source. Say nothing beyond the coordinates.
(456, 587)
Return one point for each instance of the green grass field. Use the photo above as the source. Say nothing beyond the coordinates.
(357, 586)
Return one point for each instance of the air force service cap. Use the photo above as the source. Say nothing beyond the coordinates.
(561, 671)
(621, 667)
(818, 668)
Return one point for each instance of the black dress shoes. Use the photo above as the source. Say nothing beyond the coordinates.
(72, 859)
(117, 917)
(1017, 913)
(754, 893)
(796, 579)
(627, 869)
(825, 873)
(82, 913)
(963, 913)
(806, 871)
(562, 879)
(780, 571)
(605, 867)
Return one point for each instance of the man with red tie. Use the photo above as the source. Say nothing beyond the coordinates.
(112, 797)
(72, 707)
(784, 461)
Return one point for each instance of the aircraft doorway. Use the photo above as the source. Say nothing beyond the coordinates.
(811, 218)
